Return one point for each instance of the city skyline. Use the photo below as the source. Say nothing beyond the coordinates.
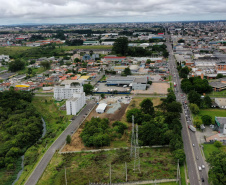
(111, 11)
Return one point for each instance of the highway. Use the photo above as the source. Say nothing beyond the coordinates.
(59, 142)
(191, 147)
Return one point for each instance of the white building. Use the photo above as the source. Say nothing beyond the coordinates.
(67, 89)
(75, 103)
(101, 108)
(72, 90)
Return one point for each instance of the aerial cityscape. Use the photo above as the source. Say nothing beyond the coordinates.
(112, 93)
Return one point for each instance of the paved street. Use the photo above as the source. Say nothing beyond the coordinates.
(193, 153)
(34, 177)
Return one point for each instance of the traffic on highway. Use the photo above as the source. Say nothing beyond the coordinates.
(197, 170)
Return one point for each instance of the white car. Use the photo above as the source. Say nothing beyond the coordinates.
(200, 168)
(193, 144)
(203, 166)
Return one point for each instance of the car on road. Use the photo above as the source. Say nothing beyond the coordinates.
(197, 157)
(200, 168)
(193, 144)
(203, 166)
(203, 179)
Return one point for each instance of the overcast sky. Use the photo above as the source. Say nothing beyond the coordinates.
(91, 11)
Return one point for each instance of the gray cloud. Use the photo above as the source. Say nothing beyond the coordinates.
(69, 11)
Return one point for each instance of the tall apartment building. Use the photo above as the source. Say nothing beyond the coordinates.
(67, 89)
(72, 90)
(75, 103)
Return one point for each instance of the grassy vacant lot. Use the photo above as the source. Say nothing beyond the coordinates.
(209, 148)
(17, 50)
(217, 94)
(86, 47)
(56, 121)
(211, 112)
(81, 168)
(11, 50)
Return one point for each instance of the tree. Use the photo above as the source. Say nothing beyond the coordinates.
(219, 76)
(147, 106)
(119, 127)
(179, 154)
(102, 95)
(170, 97)
(184, 72)
(218, 144)
(206, 119)
(194, 97)
(206, 102)
(68, 139)
(16, 65)
(45, 64)
(120, 46)
(29, 71)
(197, 122)
(217, 162)
(127, 71)
(138, 116)
(88, 89)
(194, 108)
(174, 107)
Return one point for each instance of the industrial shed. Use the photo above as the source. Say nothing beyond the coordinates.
(101, 108)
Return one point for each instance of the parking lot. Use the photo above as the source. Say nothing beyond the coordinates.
(103, 88)
(5, 76)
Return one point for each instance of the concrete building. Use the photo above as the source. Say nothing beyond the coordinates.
(75, 103)
(139, 84)
(135, 83)
(221, 67)
(220, 124)
(221, 102)
(68, 88)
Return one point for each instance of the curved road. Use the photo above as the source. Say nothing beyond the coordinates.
(59, 142)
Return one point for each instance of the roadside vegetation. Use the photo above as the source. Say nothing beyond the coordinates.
(56, 122)
(20, 128)
(216, 155)
(155, 163)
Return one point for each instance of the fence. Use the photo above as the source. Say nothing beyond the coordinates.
(137, 182)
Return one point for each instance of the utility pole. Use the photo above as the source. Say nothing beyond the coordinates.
(65, 176)
(110, 173)
(132, 138)
(126, 170)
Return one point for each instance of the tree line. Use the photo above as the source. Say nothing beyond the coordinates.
(157, 126)
(20, 126)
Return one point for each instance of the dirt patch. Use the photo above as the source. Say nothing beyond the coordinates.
(155, 88)
(76, 141)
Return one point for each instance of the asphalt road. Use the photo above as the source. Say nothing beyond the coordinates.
(59, 142)
(193, 153)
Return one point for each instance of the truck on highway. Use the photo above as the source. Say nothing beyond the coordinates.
(192, 128)
(174, 84)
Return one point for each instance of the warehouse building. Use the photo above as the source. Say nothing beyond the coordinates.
(136, 83)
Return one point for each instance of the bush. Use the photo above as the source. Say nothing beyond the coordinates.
(218, 144)
(119, 127)
(206, 119)
(68, 139)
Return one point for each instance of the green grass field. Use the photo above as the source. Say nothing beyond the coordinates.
(56, 122)
(15, 50)
(81, 168)
(209, 148)
(217, 94)
(210, 112)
